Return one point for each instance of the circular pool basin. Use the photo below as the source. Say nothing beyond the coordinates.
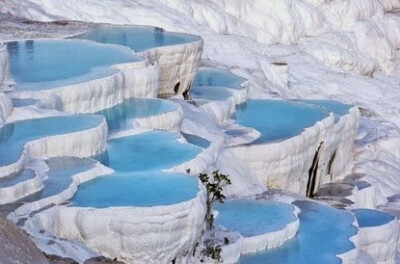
(324, 233)
(371, 218)
(47, 64)
(254, 217)
(142, 189)
(218, 78)
(14, 136)
(277, 119)
(121, 116)
(135, 37)
(153, 150)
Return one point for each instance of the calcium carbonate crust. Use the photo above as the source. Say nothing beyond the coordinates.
(84, 143)
(137, 79)
(381, 242)
(178, 65)
(77, 179)
(170, 121)
(158, 234)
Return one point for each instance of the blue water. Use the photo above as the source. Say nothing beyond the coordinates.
(277, 119)
(254, 217)
(324, 232)
(60, 174)
(136, 189)
(45, 64)
(217, 77)
(17, 177)
(153, 150)
(24, 102)
(137, 38)
(13, 136)
(195, 140)
(210, 93)
(337, 108)
(369, 218)
(121, 116)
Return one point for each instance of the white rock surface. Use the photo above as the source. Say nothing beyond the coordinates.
(84, 143)
(178, 65)
(156, 234)
(381, 242)
(285, 164)
(137, 79)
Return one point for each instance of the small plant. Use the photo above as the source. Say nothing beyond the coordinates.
(212, 251)
(214, 185)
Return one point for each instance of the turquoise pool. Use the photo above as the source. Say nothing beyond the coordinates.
(370, 218)
(13, 136)
(121, 116)
(137, 38)
(277, 119)
(254, 217)
(154, 150)
(46, 64)
(140, 189)
(324, 232)
(217, 77)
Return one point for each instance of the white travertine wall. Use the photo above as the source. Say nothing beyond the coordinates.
(6, 108)
(5, 74)
(84, 143)
(178, 64)
(170, 121)
(285, 164)
(158, 234)
(337, 159)
(77, 179)
(137, 79)
(381, 242)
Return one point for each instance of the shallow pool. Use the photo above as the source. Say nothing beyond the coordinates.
(16, 178)
(195, 140)
(136, 37)
(254, 217)
(338, 108)
(13, 136)
(217, 77)
(210, 93)
(324, 232)
(277, 119)
(60, 174)
(46, 64)
(121, 116)
(155, 150)
(369, 218)
(136, 189)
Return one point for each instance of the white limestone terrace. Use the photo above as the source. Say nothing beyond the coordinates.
(64, 135)
(177, 54)
(293, 155)
(263, 225)
(218, 91)
(138, 222)
(379, 235)
(59, 180)
(145, 113)
(94, 76)
(167, 231)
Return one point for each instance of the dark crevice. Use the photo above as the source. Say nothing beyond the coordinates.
(176, 88)
(331, 160)
(313, 173)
